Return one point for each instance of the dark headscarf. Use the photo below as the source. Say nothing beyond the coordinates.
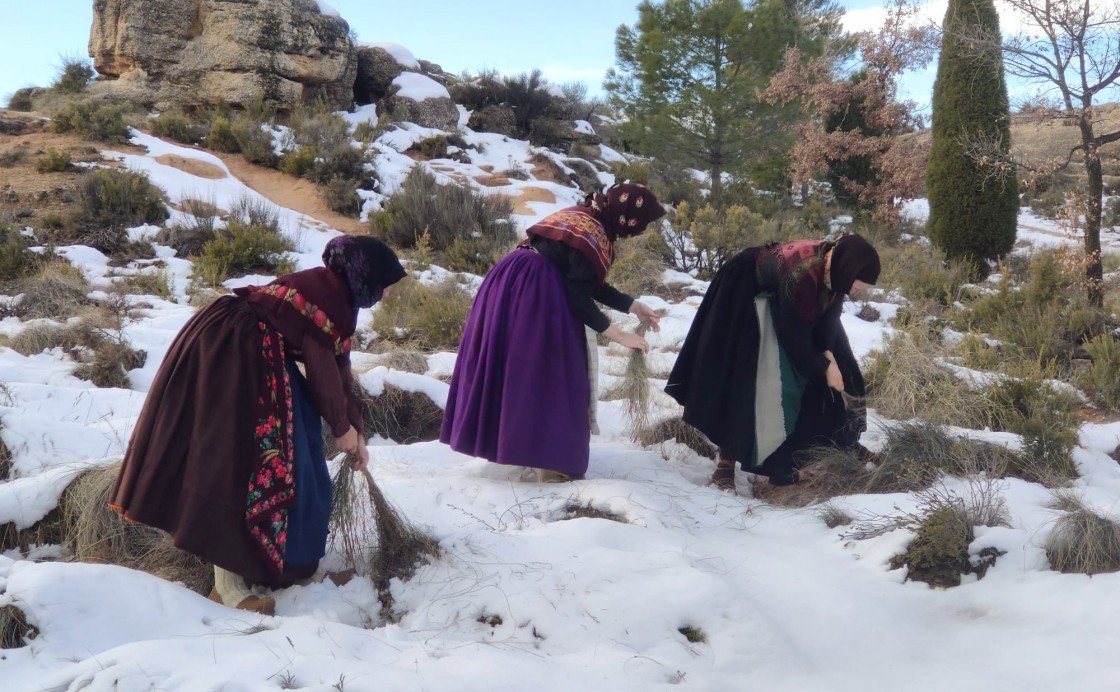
(626, 209)
(368, 265)
(853, 258)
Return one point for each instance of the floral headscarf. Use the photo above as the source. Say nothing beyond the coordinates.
(626, 209)
(368, 265)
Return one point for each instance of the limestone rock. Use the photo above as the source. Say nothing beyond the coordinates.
(196, 52)
(377, 68)
(438, 113)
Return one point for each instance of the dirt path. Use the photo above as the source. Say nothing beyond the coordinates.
(294, 193)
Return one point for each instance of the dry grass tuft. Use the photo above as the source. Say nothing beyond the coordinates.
(58, 290)
(400, 545)
(914, 456)
(401, 416)
(1083, 541)
(406, 361)
(95, 533)
(676, 429)
(427, 317)
(104, 358)
(833, 516)
(5, 461)
(906, 381)
(15, 631)
(578, 511)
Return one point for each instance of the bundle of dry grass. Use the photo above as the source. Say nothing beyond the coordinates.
(826, 472)
(401, 415)
(95, 533)
(676, 429)
(1083, 541)
(634, 388)
(14, 629)
(400, 545)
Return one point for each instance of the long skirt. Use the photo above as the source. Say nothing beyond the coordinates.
(194, 467)
(519, 391)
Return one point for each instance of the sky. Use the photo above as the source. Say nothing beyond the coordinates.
(572, 41)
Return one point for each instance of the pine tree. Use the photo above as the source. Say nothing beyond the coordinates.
(972, 213)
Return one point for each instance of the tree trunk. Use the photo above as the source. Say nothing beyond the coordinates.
(1094, 270)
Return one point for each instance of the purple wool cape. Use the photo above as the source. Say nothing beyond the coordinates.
(519, 391)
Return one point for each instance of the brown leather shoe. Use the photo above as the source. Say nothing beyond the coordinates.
(265, 605)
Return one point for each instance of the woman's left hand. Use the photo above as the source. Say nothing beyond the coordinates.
(646, 314)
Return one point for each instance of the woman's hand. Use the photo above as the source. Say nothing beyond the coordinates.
(362, 460)
(833, 376)
(626, 339)
(349, 441)
(646, 314)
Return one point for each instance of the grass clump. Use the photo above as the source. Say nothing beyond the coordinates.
(574, 510)
(676, 429)
(466, 229)
(427, 317)
(104, 356)
(405, 360)
(16, 259)
(694, 635)
(639, 264)
(150, 283)
(53, 161)
(95, 533)
(1083, 541)
(400, 415)
(74, 74)
(55, 290)
(15, 631)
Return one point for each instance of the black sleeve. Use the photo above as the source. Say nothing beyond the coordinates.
(579, 281)
(796, 336)
(613, 298)
(824, 333)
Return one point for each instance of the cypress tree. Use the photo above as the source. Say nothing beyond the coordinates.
(972, 215)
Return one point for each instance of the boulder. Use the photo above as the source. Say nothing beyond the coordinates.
(419, 99)
(198, 52)
(499, 119)
(377, 68)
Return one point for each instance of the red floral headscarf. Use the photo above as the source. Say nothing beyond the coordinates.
(626, 209)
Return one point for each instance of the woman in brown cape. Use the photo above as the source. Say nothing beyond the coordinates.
(227, 455)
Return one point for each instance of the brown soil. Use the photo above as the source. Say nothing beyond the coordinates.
(27, 194)
(528, 194)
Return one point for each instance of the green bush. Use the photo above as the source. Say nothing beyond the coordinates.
(13, 156)
(99, 122)
(467, 229)
(73, 75)
(254, 141)
(53, 161)
(243, 249)
(431, 147)
(177, 126)
(341, 196)
(157, 283)
(113, 200)
(221, 137)
(16, 260)
(299, 162)
(1103, 377)
(426, 317)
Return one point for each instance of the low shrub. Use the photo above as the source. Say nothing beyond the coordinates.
(243, 249)
(151, 283)
(341, 196)
(16, 260)
(53, 161)
(74, 74)
(177, 126)
(97, 121)
(299, 162)
(1102, 380)
(113, 200)
(13, 156)
(254, 141)
(469, 230)
(427, 317)
(221, 137)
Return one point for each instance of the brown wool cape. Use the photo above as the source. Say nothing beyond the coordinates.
(193, 450)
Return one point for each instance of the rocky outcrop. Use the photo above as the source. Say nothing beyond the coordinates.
(419, 99)
(196, 52)
(377, 69)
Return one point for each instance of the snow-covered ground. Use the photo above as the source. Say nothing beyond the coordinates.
(524, 597)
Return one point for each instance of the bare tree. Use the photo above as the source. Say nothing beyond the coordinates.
(1072, 47)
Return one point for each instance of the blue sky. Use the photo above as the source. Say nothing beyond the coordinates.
(569, 41)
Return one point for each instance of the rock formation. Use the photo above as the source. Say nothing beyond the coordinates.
(195, 52)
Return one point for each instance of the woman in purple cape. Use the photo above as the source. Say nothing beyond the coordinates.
(520, 393)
